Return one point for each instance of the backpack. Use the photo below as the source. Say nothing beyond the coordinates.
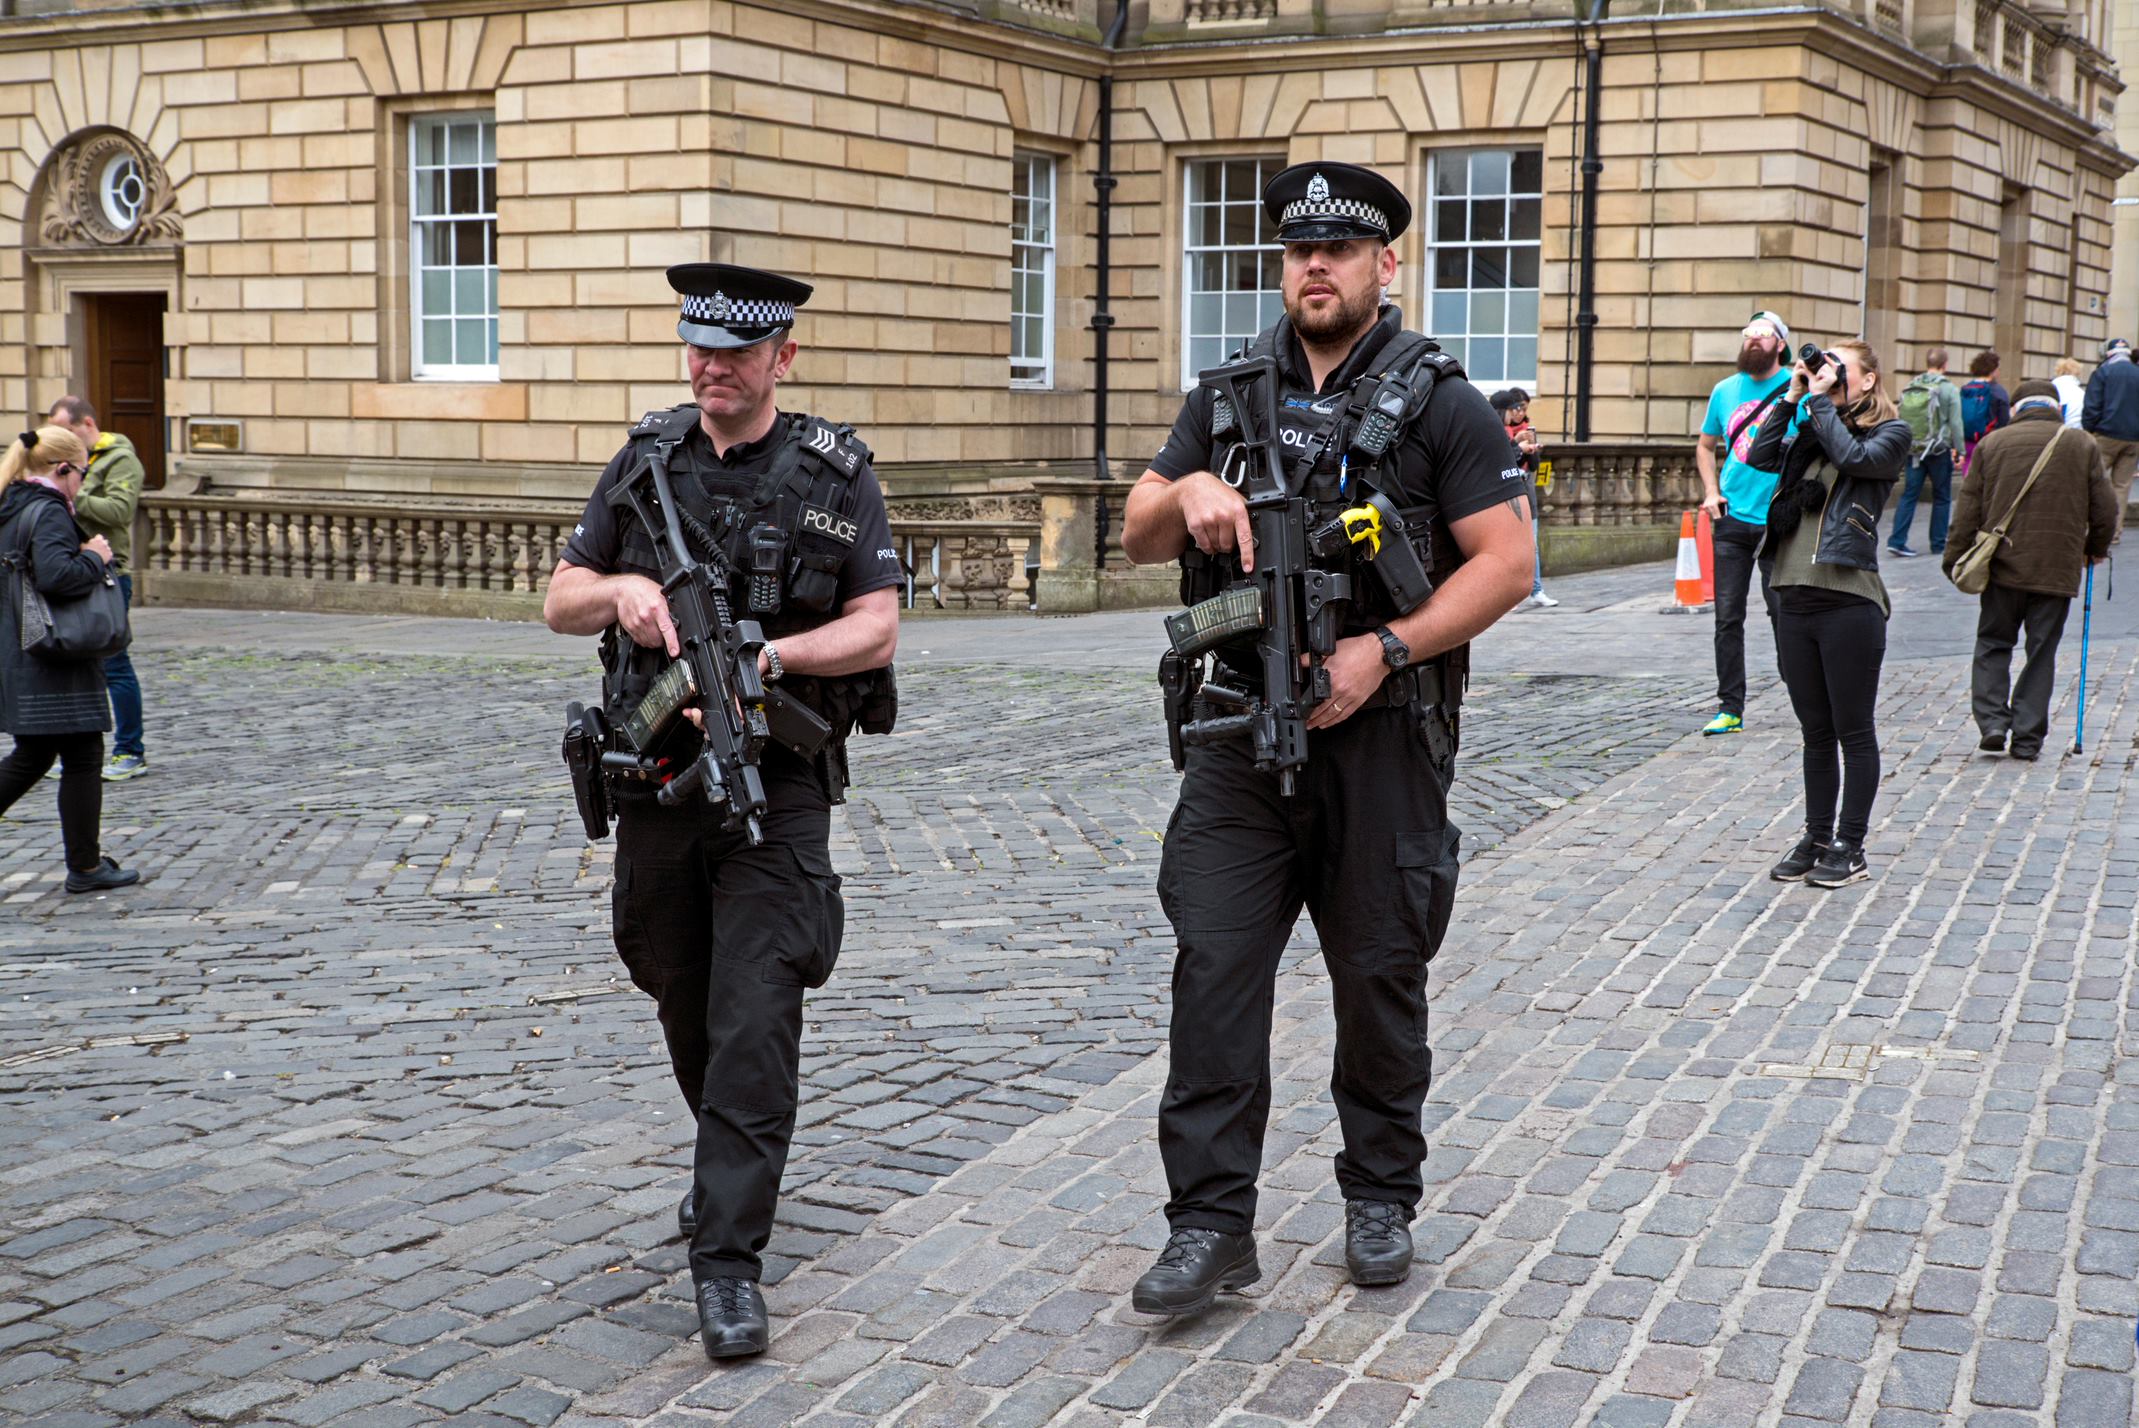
(1919, 408)
(1975, 410)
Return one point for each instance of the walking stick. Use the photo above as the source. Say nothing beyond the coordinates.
(2079, 733)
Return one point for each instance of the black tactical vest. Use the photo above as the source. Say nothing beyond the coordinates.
(1315, 433)
(784, 529)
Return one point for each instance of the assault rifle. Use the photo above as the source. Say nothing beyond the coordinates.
(1286, 603)
(717, 673)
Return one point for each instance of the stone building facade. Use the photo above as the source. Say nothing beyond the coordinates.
(395, 270)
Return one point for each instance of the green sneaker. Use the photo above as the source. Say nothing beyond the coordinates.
(1724, 724)
(125, 766)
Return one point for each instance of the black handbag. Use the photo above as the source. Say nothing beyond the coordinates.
(92, 625)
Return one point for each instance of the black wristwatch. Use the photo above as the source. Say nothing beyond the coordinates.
(1394, 652)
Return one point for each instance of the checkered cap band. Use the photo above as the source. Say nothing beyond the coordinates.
(724, 311)
(1307, 208)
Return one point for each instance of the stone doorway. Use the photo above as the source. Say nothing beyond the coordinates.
(121, 370)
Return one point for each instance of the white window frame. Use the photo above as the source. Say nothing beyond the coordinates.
(1435, 243)
(1266, 166)
(418, 127)
(1032, 250)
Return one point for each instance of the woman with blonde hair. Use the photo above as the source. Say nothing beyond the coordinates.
(1838, 466)
(56, 710)
(2071, 393)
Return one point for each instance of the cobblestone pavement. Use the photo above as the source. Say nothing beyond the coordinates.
(344, 1117)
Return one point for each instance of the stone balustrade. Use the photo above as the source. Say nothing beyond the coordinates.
(983, 542)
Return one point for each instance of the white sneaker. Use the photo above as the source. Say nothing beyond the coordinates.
(1541, 601)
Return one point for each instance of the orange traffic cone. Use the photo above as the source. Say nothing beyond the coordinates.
(1686, 593)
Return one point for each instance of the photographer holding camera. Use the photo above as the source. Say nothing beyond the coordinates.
(1836, 467)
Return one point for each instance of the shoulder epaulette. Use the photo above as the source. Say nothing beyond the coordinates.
(836, 446)
(673, 421)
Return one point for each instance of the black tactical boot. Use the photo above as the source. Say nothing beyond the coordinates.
(105, 876)
(687, 1214)
(1377, 1241)
(731, 1318)
(1843, 862)
(1193, 1267)
(1799, 860)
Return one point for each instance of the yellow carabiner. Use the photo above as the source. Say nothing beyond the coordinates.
(1363, 523)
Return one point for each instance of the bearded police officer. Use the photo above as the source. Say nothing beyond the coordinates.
(1363, 839)
(725, 934)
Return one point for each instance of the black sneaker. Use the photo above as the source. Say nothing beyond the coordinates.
(1841, 862)
(1992, 743)
(1193, 1267)
(105, 876)
(1799, 860)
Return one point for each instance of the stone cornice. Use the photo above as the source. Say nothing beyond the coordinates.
(944, 25)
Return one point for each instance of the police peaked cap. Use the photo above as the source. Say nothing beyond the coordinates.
(1324, 202)
(729, 306)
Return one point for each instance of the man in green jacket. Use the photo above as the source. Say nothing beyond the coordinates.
(1931, 405)
(105, 508)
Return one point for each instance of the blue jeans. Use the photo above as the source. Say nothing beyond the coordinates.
(1939, 471)
(125, 691)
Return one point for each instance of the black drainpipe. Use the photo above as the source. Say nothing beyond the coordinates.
(1103, 184)
(1592, 167)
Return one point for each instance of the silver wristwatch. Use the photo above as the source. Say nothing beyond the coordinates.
(773, 668)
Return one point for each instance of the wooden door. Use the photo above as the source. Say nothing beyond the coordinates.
(124, 381)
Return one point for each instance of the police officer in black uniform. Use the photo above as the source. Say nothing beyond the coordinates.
(725, 936)
(1364, 842)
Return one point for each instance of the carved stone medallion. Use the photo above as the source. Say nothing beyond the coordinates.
(108, 191)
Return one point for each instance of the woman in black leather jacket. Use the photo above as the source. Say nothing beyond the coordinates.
(1839, 457)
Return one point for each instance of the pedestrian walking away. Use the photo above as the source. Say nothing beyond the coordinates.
(2044, 488)
(1833, 479)
(2071, 391)
(111, 490)
(56, 709)
(726, 931)
(1931, 406)
(1985, 404)
(1366, 417)
(2110, 414)
(1513, 405)
(1736, 497)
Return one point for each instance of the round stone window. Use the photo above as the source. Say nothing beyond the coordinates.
(124, 189)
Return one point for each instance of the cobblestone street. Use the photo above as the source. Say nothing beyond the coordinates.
(346, 1115)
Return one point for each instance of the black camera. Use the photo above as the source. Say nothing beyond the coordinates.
(1812, 357)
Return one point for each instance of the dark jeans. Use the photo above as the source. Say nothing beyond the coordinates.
(1366, 847)
(1735, 543)
(125, 690)
(1938, 470)
(2021, 709)
(81, 787)
(1830, 661)
(726, 937)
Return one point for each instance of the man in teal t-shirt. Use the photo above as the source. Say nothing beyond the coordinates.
(1736, 499)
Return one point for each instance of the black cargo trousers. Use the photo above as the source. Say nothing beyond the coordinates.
(1365, 845)
(725, 938)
